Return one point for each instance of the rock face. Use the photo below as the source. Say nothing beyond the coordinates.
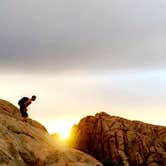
(29, 144)
(113, 138)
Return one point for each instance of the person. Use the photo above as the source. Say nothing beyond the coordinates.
(24, 103)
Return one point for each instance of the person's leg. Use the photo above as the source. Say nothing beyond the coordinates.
(24, 114)
(24, 119)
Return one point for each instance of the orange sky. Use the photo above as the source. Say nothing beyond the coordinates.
(64, 99)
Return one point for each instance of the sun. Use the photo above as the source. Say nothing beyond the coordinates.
(63, 129)
(64, 134)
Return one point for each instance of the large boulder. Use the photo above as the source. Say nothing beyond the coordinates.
(118, 140)
(29, 144)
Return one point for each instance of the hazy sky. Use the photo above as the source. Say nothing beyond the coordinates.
(85, 56)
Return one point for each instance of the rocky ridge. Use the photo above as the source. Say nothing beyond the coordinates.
(111, 138)
(29, 144)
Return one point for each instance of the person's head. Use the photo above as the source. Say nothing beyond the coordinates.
(33, 98)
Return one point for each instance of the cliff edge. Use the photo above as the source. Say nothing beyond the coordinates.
(111, 138)
(29, 144)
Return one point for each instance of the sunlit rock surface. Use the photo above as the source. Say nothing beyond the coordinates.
(110, 138)
(29, 144)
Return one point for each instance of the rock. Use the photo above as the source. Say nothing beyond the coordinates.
(29, 144)
(110, 138)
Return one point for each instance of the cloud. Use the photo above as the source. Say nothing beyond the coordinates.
(82, 35)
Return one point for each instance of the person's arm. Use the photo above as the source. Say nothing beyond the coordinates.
(28, 102)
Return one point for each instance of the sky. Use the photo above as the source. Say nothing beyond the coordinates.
(81, 57)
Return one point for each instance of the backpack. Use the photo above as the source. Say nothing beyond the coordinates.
(22, 101)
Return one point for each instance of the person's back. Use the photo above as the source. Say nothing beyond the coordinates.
(22, 101)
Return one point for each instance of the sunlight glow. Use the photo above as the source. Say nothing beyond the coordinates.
(64, 133)
(60, 127)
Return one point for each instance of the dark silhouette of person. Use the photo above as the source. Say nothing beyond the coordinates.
(24, 103)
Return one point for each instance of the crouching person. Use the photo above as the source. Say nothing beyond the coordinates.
(24, 103)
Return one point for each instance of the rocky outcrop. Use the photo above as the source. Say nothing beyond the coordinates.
(29, 144)
(110, 138)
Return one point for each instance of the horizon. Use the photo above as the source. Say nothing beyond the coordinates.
(84, 56)
(80, 95)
